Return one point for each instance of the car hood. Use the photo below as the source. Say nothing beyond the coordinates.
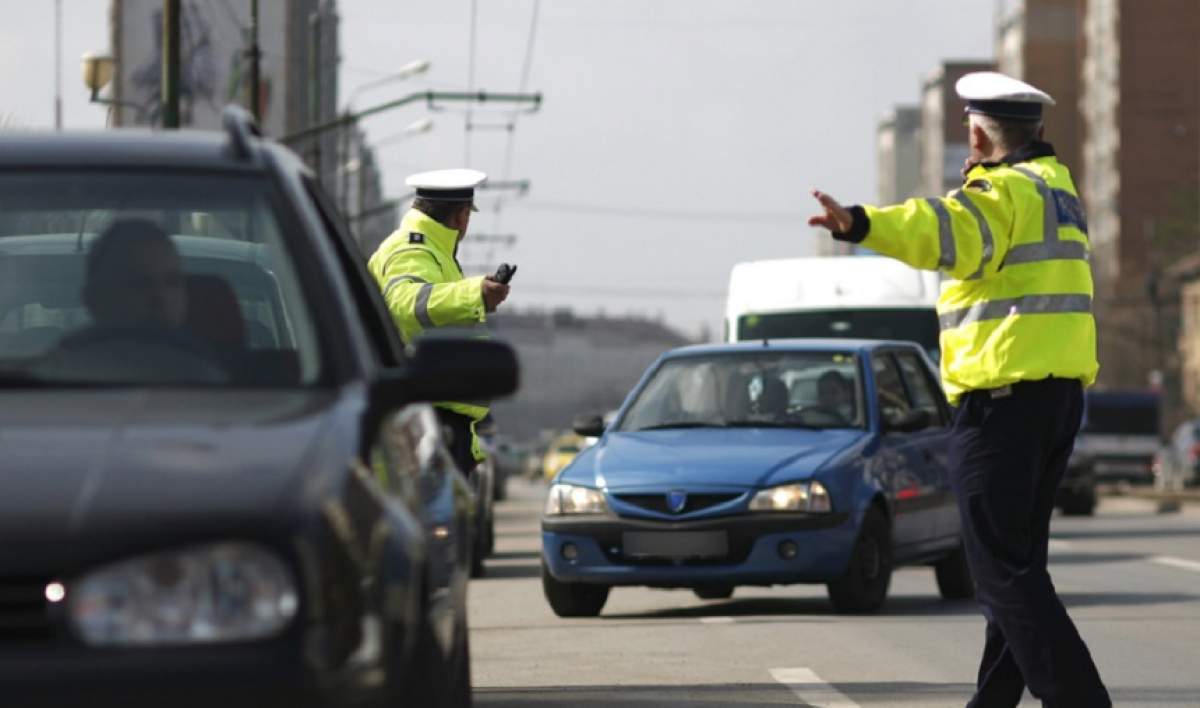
(717, 457)
(79, 466)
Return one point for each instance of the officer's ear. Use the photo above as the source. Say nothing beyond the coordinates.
(980, 143)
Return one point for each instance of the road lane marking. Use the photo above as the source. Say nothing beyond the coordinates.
(1057, 545)
(716, 620)
(1183, 563)
(809, 687)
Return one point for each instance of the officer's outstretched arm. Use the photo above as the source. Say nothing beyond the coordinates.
(417, 303)
(965, 234)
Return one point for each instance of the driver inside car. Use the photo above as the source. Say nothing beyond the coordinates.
(134, 278)
(835, 394)
(135, 292)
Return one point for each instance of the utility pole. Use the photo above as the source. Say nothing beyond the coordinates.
(255, 53)
(314, 89)
(170, 65)
(58, 64)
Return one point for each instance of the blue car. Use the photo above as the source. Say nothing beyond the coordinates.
(764, 463)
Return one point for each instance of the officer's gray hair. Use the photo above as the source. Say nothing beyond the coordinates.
(1008, 135)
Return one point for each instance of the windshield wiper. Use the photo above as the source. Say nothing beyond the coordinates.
(684, 424)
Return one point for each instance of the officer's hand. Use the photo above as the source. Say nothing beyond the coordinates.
(493, 294)
(835, 218)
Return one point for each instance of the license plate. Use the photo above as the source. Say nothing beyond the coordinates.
(675, 544)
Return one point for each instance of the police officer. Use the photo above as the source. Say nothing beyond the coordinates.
(417, 268)
(1018, 346)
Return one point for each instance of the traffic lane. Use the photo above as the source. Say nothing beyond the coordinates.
(653, 647)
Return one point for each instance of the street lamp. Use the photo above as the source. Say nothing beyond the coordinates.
(423, 125)
(409, 70)
(98, 70)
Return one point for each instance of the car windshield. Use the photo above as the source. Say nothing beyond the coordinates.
(743, 389)
(148, 278)
(918, 325)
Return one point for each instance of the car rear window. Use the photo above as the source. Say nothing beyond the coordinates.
(140, 278)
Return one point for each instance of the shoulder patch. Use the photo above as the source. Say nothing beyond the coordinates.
(981, 185)
(416, 237)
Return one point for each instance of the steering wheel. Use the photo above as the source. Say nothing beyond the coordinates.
(136, 354)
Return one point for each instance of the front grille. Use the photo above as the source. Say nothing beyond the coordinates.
(24, 612)
(658, 502)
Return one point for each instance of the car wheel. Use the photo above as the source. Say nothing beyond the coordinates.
(573, 599)
(864, 586)
(460, 689)
(714, 592)
(954, 576)
(1082, 503)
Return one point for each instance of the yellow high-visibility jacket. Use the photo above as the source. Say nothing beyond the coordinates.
(424, 288)
(1013, 242)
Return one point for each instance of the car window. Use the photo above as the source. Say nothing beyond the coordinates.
(892, 398)
(922, 394)
(143, 278)
(373, 310)
(733, 388)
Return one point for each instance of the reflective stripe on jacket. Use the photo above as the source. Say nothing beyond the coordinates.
(1013, 241)
(424, 286)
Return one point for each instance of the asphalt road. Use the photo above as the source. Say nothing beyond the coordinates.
(1130, 577)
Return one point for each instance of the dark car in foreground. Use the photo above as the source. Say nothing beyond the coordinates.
(765, 463)
(218, 485)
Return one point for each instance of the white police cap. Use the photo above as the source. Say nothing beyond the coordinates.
(993, 94)
(456, 185)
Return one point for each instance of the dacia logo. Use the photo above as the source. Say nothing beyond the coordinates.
(676, 500)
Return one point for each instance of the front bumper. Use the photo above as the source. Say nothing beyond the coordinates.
(823, 545)
(274, 673)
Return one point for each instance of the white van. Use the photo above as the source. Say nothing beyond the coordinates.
(857, 297)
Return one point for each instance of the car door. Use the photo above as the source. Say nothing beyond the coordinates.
(908, 478)
(931, 444)
(422, 476)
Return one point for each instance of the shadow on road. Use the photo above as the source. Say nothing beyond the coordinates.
(1133, 532)
(897, 606)
(890, 693)
(512, 555)
(496, 571)
(1082, 558)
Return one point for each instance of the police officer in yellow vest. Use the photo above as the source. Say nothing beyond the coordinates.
(1018, 346)
(417, 268)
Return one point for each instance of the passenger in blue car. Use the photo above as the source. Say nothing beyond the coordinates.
(834, 393)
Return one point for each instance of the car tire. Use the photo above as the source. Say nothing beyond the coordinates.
(953, 575)
(1079, 503)
(864, 586)
(573, 599)
(714, 592)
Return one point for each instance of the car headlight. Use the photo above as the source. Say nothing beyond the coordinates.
(570, 499)
(801, 496)
(224, 592)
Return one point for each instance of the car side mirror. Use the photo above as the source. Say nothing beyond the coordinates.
(450, 367)
(909, 421)
(589, 426)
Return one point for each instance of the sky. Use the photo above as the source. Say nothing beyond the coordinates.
(676, 137)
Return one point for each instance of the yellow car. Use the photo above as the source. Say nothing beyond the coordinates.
(562, 450)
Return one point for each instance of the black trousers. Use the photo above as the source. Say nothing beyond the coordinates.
(1009, 450)
(458, 439)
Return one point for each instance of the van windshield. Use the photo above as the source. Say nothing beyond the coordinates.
(918, 325)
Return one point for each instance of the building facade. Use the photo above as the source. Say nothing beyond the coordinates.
(898, 154)
(1141, 150)
(298, 84)
(944, 146)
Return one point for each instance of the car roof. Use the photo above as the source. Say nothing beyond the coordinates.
(140, 148)
(861, 346)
